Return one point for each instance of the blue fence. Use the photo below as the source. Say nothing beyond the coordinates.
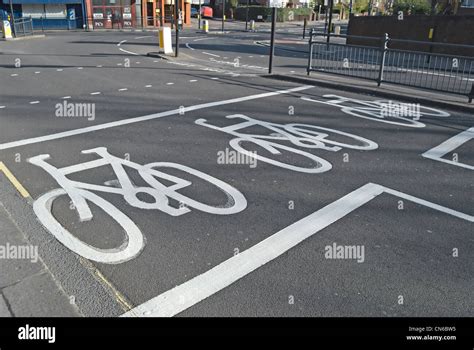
(57, 23)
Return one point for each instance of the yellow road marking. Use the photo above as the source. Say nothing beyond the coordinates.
(14, 181)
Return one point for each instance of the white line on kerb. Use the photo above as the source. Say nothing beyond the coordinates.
(93, 128)
(182, 297)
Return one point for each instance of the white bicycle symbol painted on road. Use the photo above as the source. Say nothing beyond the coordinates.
(81, 193)
(384, 111)
(300, 135)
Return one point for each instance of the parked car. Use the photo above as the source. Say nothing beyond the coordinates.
(206, 12)
(194, 12)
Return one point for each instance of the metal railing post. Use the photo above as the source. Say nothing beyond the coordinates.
(304, 27)
(310, 53)
(384, 48)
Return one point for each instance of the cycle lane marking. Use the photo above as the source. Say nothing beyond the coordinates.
(201, 287)
(438, 152)
(177, 111)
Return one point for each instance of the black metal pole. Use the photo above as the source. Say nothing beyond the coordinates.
(13, 18)
(176, 2)
(272, 40)
(199, 15)
(350, 8)
(331, 4)
(223, 15)
(247, 15)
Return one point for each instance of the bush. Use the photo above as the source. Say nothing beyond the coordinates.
(414, 7)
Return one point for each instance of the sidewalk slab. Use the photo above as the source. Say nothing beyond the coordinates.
(386, 90)
(27, 287)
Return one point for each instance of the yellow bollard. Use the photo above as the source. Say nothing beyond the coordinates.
(205, 26)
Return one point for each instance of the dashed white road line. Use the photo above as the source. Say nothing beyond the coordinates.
(99, 66)
(14, 75)
(59, 70)
(96, 93)
(192, 80)
(123, 89)
(148, 86)
(34, 102)
(128, 121)
(169, 83)
(37, 72)
(215, 78)
(1, 107)
(80, 68)
(210, 54)
(66, 97)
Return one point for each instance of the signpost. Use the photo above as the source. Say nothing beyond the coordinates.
(274, 4)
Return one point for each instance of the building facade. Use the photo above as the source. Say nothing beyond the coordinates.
(123, 14)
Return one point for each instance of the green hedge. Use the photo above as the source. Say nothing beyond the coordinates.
(283, 14)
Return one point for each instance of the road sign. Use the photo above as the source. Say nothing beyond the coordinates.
(276, 3)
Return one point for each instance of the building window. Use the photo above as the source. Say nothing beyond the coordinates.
(467, 3)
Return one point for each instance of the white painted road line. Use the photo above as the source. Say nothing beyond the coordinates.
(437, 153)
(197, 289)
(14, 75)
(179, 111)
(169, 83)
(37, 72)
(34, 102)
(66, 97)
(192, 80)
(189, 47)
(120, 43)
(59, 70)
(129, 52)
(148, 86)
(80, 68)
(95, 93)
(210, 54)
(1, 107)
(123, 89)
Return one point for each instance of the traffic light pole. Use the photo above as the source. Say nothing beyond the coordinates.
(176, 2)
(272, 40)
(331, 5)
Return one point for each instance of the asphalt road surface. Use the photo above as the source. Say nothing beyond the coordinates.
(175, 227)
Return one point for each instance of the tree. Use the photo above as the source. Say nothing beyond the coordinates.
(413, 7)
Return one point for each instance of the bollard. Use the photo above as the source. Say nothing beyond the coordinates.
(164, 35)
(252, 25)
(205, 26)
(337, 30)
(7, 30)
